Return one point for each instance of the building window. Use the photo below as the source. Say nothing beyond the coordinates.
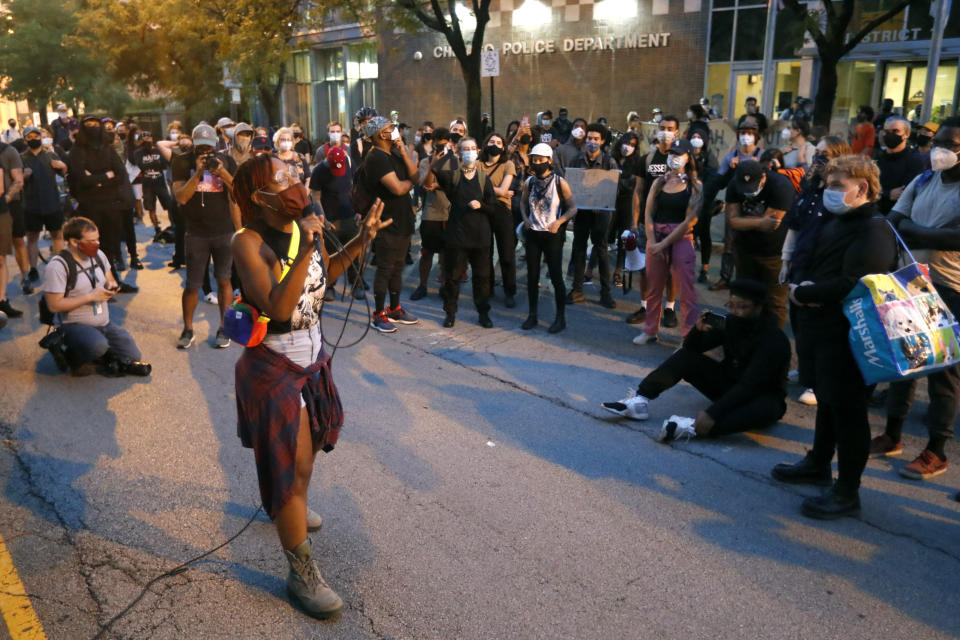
(748, 42)
(299, 67)
(721, 36)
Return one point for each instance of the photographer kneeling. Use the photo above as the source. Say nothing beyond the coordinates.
(77, 287)
(747, 387)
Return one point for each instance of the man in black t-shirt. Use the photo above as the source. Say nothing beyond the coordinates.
(390, 174)
(152, 165)
(202, 179)
(467, 237)
(330, 183)
(756, 203)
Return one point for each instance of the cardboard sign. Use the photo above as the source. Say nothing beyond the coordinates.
(594, 189)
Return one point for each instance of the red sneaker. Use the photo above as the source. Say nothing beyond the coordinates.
(927, 465)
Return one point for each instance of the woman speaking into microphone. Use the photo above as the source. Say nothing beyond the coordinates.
(287, 405)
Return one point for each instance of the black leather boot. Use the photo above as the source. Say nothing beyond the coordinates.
(807, 471)
(837, 502)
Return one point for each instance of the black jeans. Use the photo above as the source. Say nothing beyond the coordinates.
(391, 248)
(710, 378)
(549, 246)
(505, 235)
(842, 397)
(454, 265)
(765, 269)
(943, 388)
(130, 233)
(593, 225)
(110, 224)
(344, 229)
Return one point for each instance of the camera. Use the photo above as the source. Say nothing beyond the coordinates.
(714, 320)
(210, 162)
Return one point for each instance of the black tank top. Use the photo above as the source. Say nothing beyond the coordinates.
(672, 207)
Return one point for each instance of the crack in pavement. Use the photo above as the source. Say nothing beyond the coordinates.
(624, 424)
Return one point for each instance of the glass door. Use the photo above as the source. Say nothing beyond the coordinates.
(745, 82)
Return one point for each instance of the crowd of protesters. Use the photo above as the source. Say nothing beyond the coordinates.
(805, 216)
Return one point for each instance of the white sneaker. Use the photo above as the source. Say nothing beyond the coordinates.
(808, 397)
(211, 298)
(633, 407)
(644, 339)
(793, 376)
(675, 428)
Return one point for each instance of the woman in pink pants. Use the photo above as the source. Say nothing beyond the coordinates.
(673, 204)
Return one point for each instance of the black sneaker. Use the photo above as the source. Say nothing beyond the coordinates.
(10, 311)
(34, 275)
(127, 288)
(807, 471)
(26, 287)
(702, 278)
(637, 317)
(135, 263)
(485, 321)
(529, 323)
(419, 293)
(669, 319)
(53, 342)
(509, 301)
(606, 300)
(835, 503)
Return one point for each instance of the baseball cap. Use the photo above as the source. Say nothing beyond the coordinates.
(107, 119)
(241, 127)
(224, 122)
(89, 117)
(748, 176)
(932, 126)
(31, 129)
(680, 147)
(542, 149)
(203, 134)
(259, 143)
(61, 107)
(748, 124)
(374, 125)
(337, 161)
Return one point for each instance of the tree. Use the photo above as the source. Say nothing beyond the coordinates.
(433, 16)
(829, 28)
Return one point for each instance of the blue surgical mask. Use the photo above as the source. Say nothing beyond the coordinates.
(468, 157)
(835, 201)
(592, 147)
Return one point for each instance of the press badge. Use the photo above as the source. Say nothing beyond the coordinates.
(97, 308)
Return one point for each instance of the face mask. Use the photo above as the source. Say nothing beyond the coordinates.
(298, 134)
(578, 133)
(657, 118)
(820, 158)
(417, 139)
(626, 149)
(285, 145)
(229, 132)
(395, 134)
(785, 135)
(696, 143)
(174, 135)
(540, 169)
(525, 138)
(924, 140)
(942, 159)
(93, 134)
(34, 143)
(835, 201)
(562, 117)
(751, 109)
(468, 157)
(148, 144)
(243, 144)
(455, 137)
(689, 115)
(427, 137)
(290, 202)
(335, 137)
(493, 151)
(891, 139)
(63, 116)
(676, 163)
(665, 137)
(747, 139)
(47, 142)
(546, 122)
(122, 135)
(88, 249)
(592, 147)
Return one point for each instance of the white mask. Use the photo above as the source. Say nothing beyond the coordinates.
(785, 135)
(395, 134)
(546, 122)
(174, 135)
(626, 149)
(578, 133)
(335, 137)
(696, 143)
(942, 159)
(747, 139)
(676, 163)
(46, 142)
(689, 115)
(665, 137)
(285, 145)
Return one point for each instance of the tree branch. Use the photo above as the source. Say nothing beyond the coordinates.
(811, 21)
(428, 21)
(457, 44)
(873, 24)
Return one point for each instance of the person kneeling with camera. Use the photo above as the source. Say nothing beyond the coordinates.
(747, 387)
(77, 287)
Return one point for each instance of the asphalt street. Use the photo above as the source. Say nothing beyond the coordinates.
(478, 491)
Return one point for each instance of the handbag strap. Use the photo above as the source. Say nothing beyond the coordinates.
(902, 243)
(293, 248)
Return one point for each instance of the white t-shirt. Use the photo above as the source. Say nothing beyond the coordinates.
(937, 205)
(89, 277)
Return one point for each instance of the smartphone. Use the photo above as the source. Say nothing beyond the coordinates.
(714, 320)
(525, 121)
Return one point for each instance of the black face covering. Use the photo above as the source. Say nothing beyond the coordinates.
(94, 134)
(34, 143)
(540, 169)
(455, 138)
(891, 139)
(427, 137)
(493, 151)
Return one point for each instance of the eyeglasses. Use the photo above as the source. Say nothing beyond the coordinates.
(286, 176)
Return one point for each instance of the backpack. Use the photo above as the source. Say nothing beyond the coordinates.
(48, 317)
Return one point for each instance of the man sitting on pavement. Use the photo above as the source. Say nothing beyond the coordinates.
(78, 284)
(747, 387)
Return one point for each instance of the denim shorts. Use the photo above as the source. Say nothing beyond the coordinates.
(300, 346)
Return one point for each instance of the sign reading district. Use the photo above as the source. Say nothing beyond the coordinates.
(594, 189)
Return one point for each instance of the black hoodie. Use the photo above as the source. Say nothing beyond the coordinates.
(96, 158)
